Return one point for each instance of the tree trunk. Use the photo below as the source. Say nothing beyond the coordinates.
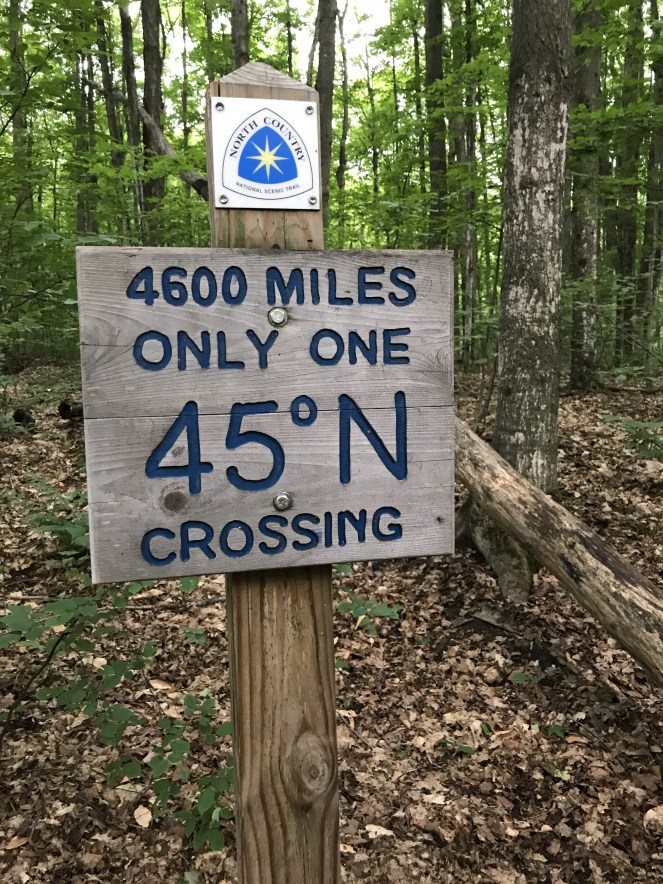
(289, 38)
(239, 29)
(626, 170)
(470, 250)
(629, 606)
(117, 154)
(528, 378)
(91, 178)
(132, 116)
(18, 84)
(584, 161)
(162, 146)
(345, 127)
(372, 129)
(651, 262)
(324, 84)
(529, 350)
(153, 188)
(418, 105)
(437, 127)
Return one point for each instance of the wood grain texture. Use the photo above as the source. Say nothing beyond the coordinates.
(284, 711)
(281, 641)
(125, 503)
(116, 386)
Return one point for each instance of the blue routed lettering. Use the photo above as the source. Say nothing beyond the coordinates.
(146, 551)
(174, 290)
(144, 277)
(357, 522)
(315, 286)
(203, 273)
(187, 543)
(295, 285)
(315, 345)
(350, 411)
(263, 349)
(185, 422)
(160, 338)
(368, 351)
(365, 285)
(390, 347)
(410, 292)
(295, 407)
(226, 549)
(332, 298)
(313, 537)
(395, 528)
(272, 534)
(329, 537)
(235, 438)
(233, 275)
(202, 353)
(223, 362)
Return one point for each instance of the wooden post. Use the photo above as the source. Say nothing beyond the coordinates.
(280, 622)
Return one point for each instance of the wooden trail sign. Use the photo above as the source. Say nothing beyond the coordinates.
(264, 408)
(250, 410)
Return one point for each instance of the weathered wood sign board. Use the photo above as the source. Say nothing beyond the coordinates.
(256, 409)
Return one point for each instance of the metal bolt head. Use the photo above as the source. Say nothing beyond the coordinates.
(282, 501)
(309, 109)
(278, 316)
(219, 106)
(313, 200)
(223, 199)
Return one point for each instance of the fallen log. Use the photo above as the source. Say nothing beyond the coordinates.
(626, 603)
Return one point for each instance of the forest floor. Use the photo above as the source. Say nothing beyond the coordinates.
(476, 743)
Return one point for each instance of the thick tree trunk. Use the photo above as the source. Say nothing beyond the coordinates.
(584, 161)
(437, 127)
(529, 350)
(628, 605)
(239, 29)
(324, 84)
(528, 378)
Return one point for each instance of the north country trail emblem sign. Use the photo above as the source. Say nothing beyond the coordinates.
(265, 154)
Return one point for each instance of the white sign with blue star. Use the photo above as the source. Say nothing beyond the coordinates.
(266, 154)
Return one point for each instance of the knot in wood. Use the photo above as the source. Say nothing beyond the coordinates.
(310, 769)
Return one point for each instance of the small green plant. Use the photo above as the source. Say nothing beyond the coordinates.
(557, 772)
(459, 748)
(366, 611)
(645, 436)
(65, 518)
(66, 631)
(525, 678)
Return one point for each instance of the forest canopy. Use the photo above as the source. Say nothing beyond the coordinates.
(416, 159)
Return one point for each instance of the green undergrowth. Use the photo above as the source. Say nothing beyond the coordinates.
(67, 639)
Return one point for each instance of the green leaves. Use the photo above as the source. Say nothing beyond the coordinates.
(366, 610)
(645, 436)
